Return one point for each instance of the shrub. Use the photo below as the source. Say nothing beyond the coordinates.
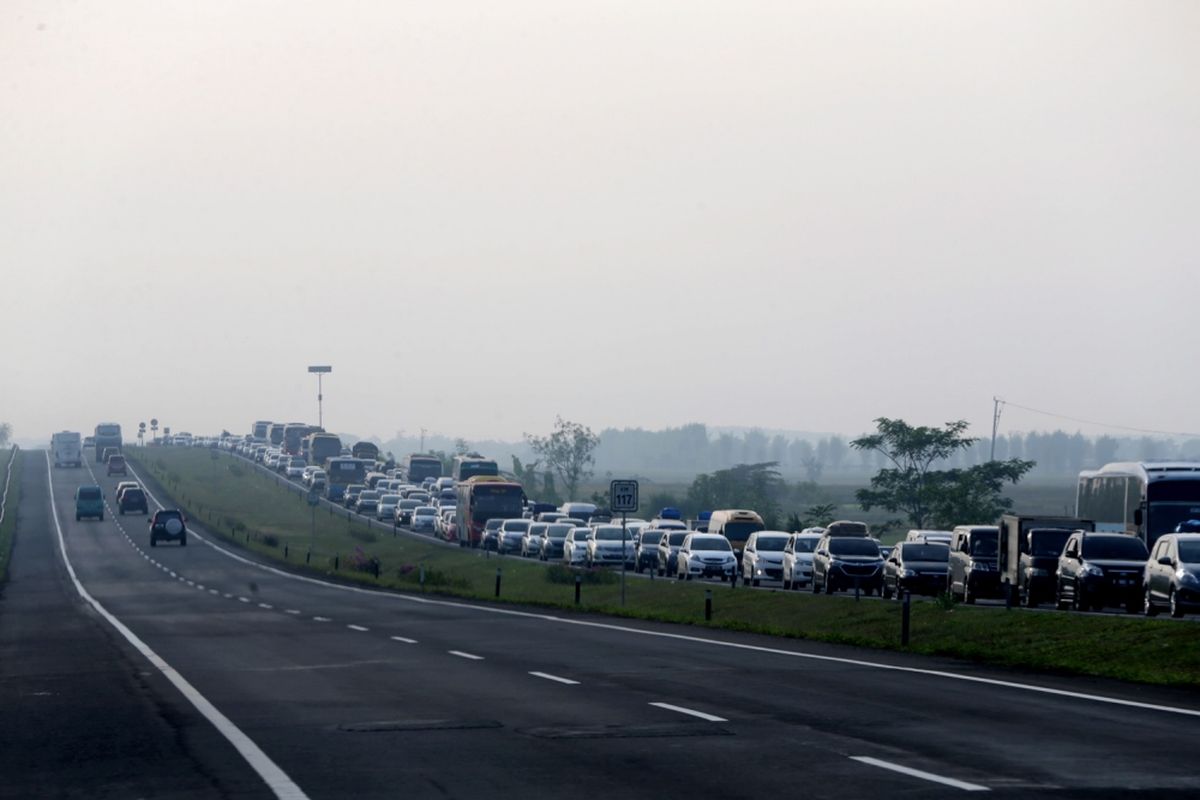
(270, 540)
(359, 561)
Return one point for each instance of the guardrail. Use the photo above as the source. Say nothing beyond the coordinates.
(7, 480)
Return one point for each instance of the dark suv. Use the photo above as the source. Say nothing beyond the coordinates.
(169, 523)
(1039, 563)
(132, 500)
(843, 562)
(974, 569)
(1101, 569)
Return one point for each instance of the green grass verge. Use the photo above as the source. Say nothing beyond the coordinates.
(237, 502)
(9, 525)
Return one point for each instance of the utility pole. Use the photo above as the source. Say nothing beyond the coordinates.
(997, 408)
(321, 371)
(422, 440)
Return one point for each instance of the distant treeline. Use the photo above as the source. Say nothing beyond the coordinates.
(695, 448)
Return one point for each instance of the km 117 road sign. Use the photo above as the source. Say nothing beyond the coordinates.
(623, 496)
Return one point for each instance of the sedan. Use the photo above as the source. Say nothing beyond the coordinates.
(798, 558)
(404, 511)
(424, 519)
(531, 542)
(916, 568)
(386, 510)
(608, 544)
(368, 501)
(762, 557)
(668, 552)
(1172, 577)
(575, 546)
(510, 535)
(706, 555)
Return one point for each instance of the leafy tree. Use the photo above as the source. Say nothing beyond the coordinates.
(813, 469)
(526, 473)
(5, 433)
(569, 451)
(753, 486)
(911, 486)
(461, 447)
(817, 516)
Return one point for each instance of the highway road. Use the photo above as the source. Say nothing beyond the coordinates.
(253, 682)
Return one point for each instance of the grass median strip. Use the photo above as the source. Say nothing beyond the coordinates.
(239, 503)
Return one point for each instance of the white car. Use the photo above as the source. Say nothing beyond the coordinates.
(607, 545)
(315, 476)
(798, 556)
(575, 546)
(445, 516)
(424, 518)
(531, 542)
(762, 557)
(511, 534)
(295, 467)
(386, 510)
(706, 555)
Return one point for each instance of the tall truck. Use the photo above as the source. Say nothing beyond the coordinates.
(108, 434)
(66, 448)
(1029, 551)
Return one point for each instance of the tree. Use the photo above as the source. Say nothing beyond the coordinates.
(461, 447)
(817, 516)
(753, 486)
(5, 433)
(526, 473)
(910, 486)
(569, 451)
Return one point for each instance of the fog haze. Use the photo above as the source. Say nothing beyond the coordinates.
(798, 216)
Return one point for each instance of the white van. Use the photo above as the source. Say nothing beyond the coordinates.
(66, 447)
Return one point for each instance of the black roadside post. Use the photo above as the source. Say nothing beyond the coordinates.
(856, 588)
(707, 605)
(578, 584)
(421, 577)
(905, 610)
(497, 581)
(336, 561)
(308, 556)
(285, 551)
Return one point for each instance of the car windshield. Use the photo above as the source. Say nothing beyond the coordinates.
(1118, 547)
(370, 494)
(925, 552)
(713, 543)
(409, 505)
(493, 524)
(516, 525)
(389, 499)
(651, 537)
(771, 544)
(676, 539)
(1048, 544)
(1189, 551)
(846, 546)
(985, 544)
(805, 545)
(608, 534)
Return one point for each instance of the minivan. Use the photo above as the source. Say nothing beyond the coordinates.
(736, 525)
(89, 502)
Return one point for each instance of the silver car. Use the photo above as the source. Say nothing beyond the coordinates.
(762, 557)
(511, 534)
(797, 557)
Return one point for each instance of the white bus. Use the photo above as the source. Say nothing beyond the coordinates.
(1142, 498)
(66, 447)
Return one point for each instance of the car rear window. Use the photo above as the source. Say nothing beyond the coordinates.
(89, 493)
(925, 552)
(133, 494)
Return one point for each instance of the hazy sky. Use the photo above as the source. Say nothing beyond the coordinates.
(790, 215)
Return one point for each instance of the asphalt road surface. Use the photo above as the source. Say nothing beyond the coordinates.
(243, 680)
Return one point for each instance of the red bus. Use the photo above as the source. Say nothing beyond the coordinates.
(482, 498)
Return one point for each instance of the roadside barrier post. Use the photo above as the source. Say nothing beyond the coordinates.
(497, 581)
(421, 577)
(285, 551)
(308, 556)
(856, 589)
(708, 605)
(337, 560)
(578, 585)
(905, 611)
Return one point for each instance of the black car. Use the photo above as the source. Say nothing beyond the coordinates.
(1039, 564)
(170, 524)
(1101, 569)
(846, 562)
(645, 552)
(917, 568)
(132, 500)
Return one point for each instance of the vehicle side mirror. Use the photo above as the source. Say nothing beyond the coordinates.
(1137, 517)
(1166, 561)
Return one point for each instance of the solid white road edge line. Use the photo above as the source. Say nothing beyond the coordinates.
(857, 662)
(690, 711)
(554, 678)
(275, 778)
(917, 773)
(461, 654)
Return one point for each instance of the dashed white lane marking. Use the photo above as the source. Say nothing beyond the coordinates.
(244, 599)
(461, 654)
(322, 619)
(213, 591)
(227, 596)
(265, 605)
(291, 611)
(917, 773)
(358, 628)
(554, 678)
(690, 711)
(404, 639)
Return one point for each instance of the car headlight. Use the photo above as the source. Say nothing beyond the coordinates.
(1034, 572)
(1187, 578)
(908, 573)
(1092, 570)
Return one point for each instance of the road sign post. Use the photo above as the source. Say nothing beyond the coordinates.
(623, 498)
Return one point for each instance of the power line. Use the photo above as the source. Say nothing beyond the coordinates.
(1100, 424)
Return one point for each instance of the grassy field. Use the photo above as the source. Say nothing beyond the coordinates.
(239, 503)
(9, 525)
